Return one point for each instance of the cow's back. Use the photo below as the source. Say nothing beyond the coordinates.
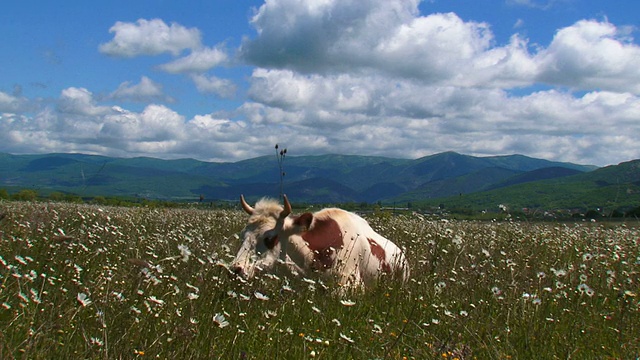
(373, 253)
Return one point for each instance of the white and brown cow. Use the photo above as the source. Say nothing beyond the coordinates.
(331, 241)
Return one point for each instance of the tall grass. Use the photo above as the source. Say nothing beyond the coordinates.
(80, 281)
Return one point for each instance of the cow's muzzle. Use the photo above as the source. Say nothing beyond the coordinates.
(238, 270)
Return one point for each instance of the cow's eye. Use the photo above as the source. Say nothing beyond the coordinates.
(270, 241)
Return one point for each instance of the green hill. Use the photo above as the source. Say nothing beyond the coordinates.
(450, 179)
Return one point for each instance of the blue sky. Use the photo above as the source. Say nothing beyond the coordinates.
(226, 80)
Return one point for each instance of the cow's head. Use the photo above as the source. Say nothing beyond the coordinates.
(260, 247)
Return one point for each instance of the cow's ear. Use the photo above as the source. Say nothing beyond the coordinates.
(304, 221)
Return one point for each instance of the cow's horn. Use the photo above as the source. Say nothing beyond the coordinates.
(287, 207)
(246, 206)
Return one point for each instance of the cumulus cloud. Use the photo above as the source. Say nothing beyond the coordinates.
(11, 103)
(591, 55)
(80, 101)
(198, 61)
(144, 91)
(150, 37)
(391, 37)
(156, 124)
(372, 77)
(214, 85)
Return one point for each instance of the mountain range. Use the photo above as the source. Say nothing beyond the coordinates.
(457, 179)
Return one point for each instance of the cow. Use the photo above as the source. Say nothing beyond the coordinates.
(332, 241)
(260, 249)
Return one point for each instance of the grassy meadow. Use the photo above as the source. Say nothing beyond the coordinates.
(88, 282)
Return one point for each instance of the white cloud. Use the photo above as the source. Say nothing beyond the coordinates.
(591, 55)
(144, 91)
(371, 77)
(198, 61)
(11, 103)
(79, 101)
(150, 37)
(518, 24)
(214, 85)
(156, 123)
(349, 37)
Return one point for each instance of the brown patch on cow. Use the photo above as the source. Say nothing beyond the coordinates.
(324, 239)
(380, 254)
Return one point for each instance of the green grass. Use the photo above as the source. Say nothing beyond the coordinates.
(81, 281)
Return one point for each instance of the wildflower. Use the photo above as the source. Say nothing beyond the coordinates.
(78, 268)
(536, 301)
(346, 338)
(23, 297)
(260, 296)
(184, 252)
(156, 300)
(83, 299)
(377, 329)
(220, 320)
(35, 296)
(463, 313)
(559, 273)
(194, 288)
(496, 290)
(118, 295)
(96, 341)
(20, 259)
(587, 257)
(585, 289)
(347, 302)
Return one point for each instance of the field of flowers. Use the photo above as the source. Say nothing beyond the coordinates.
(82, 281)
